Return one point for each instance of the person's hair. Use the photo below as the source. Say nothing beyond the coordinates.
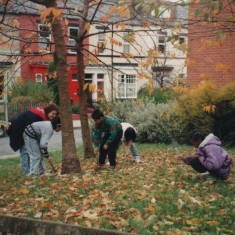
(96, 114)
(130, 134)
(197, 135)
(56, 122)
(50, 108)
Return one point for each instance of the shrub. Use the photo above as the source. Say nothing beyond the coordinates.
(52, 82)
(28, 91)
(157, 95)
(209, 109)
(76, 109)
(122, 109)
(155, 123)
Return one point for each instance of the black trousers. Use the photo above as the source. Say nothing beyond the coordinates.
(111, 151)
(197, 166)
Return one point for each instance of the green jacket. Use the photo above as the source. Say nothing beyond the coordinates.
(109, 127)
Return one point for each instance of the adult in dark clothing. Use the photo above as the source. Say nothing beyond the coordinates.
(18, 126)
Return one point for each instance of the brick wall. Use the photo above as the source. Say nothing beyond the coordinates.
(210, 59)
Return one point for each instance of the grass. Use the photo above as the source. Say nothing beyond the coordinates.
(158, 196)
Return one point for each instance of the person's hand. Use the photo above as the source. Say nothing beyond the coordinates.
(196, 155)
(49, 160)
(127, 154)
(105, 147)
(96, 150)
(182, 158)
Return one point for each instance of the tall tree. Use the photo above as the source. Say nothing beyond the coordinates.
(70, 162)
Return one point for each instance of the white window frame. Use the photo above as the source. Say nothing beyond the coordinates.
(38, 76)
(43, 41)
(162, 43)
(126, 86)
(71, 41)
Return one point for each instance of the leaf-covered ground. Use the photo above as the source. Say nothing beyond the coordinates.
(158, 196)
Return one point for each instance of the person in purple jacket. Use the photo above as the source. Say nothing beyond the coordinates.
(210, 157)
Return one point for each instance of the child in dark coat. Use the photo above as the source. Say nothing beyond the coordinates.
(106, 137)
(210, 156)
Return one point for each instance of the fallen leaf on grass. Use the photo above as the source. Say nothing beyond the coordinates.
(120, 223)
(155, 228)
(24, 190)
(38, 215)
(90, 214)
(212, 223)
(221, 212)
(194, 221)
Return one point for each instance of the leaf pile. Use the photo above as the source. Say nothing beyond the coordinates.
(158, 196)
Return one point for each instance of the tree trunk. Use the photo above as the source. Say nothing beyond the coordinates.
(86, 137)
(70, 161)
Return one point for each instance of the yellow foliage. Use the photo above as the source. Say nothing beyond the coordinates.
(51, 11)
(112, 10)
(180, 80)
(181, 89)
(115, 42)
(143, 75)
(15, 23)
(87, 26)
(209, 108)
(123, 11)
(122, 25)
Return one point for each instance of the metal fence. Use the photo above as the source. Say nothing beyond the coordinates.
(14, 110)
(10, 225)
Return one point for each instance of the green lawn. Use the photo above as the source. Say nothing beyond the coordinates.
(158, 196)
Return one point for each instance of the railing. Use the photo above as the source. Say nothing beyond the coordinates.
(15, 110)
(10, 225)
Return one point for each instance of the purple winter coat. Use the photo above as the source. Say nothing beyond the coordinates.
(214, 157)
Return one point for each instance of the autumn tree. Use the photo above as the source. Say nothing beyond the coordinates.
(126, 24)
(51, 16)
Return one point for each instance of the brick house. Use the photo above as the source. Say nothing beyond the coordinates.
(119, 79)
(210, 59)
(35, 67)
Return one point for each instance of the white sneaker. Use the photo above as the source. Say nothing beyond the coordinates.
(210, 179)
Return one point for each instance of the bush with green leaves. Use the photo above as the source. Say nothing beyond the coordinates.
(24, 95)
(52, 82)
(76, 109)
(155, 123)
(157, 95)
(29, 92)
(208, 108)
(122, 109)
